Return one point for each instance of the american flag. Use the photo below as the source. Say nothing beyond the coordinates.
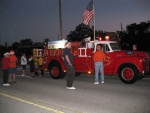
(88, 13)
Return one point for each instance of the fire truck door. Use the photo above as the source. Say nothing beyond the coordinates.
(83, 60)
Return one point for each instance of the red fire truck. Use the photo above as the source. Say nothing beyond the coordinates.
(130, 66)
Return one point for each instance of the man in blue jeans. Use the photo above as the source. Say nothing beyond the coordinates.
(99, 57)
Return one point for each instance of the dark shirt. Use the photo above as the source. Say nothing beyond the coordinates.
(67, 51)
(31, 63)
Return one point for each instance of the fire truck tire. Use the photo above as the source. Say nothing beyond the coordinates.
(141, 77)
(56, 70)
(77, 73)
(128, 73)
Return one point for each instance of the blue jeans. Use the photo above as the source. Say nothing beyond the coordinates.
(99, 67)
(12, 70)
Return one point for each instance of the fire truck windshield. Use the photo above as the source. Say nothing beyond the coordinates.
(114, 46)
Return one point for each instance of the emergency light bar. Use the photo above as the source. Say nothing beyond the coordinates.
(56, 44)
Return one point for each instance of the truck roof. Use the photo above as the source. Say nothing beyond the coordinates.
(109, 46)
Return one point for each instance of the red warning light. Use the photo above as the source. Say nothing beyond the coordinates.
(100, 38)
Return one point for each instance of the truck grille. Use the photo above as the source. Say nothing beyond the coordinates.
(147, 66)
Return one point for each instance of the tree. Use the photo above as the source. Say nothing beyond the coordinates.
(46, 40)
(26, 42)
(135, 34)
(80, 32)
(15, 47)
(100, 34)
(3, 49)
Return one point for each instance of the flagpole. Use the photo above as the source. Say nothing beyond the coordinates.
(94, 19)
(60, 20)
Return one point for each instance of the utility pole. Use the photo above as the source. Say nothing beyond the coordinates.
(58, 36)
(60, 20)
(121, 27)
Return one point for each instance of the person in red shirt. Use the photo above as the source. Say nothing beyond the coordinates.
(12, 67)
(99, 57)
(5, 68)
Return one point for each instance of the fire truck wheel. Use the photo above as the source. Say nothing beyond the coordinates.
(56, 70)
(141, 77)
(77, 73)
(128, 73)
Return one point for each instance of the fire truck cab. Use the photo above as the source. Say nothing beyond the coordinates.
(130, 66)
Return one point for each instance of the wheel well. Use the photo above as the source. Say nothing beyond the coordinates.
(53, 62)
(126, 64)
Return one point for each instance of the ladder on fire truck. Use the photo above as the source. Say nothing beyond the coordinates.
(83, 52)
(37, 52)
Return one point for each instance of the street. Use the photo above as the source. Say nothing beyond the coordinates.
(42, 94)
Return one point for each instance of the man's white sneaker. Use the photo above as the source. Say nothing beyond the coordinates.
(71, 88)
(102, 82)
(6, 84)
(96, 83)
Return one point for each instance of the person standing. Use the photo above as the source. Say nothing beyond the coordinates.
(89, 44)
(68, 61)
(99, 57)
(23, 63)
(12, 67)
(31, 64)
(5, 68)
(40, 65)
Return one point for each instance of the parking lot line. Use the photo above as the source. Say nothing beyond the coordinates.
(31, 103)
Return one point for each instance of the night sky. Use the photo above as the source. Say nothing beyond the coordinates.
(39, 19)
